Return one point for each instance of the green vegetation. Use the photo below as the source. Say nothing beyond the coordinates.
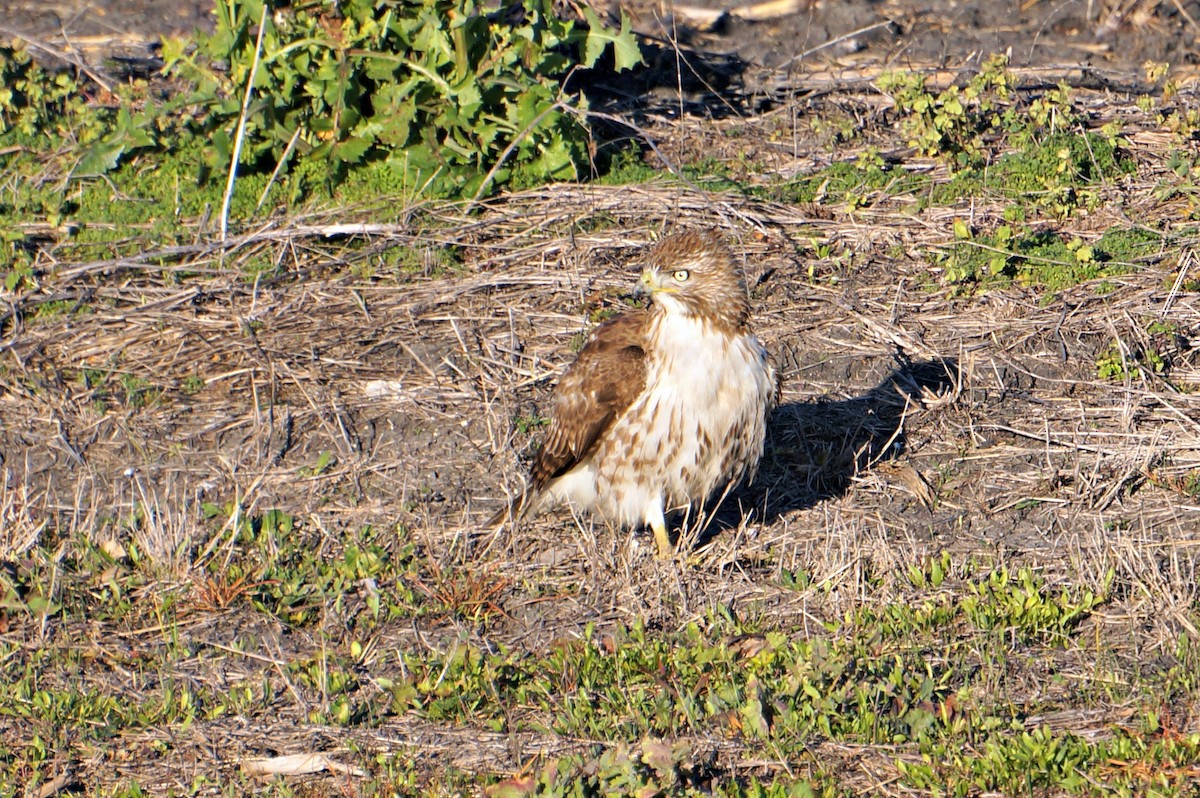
(927, 676)
(350, 104)
(32, 101)
(1035, 156)
(1057, 174)
(1042, 257)
(1149, 358)
(526, 424)
(952, 122)
(856, 183)
(437, 98)
(449, 95)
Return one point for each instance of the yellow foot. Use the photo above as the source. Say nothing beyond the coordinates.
(665, 550)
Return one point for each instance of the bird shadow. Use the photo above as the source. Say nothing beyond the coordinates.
(815, 449)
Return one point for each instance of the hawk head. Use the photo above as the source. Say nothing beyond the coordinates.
(692, 273)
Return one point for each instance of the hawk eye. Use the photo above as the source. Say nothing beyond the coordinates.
(681, 275)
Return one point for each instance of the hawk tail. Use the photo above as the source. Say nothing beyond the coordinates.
(514, 511)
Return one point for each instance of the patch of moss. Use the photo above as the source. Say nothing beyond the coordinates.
(628, 167)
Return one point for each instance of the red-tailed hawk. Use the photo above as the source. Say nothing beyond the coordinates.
(663, 406)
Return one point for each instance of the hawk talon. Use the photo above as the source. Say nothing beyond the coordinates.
(666, 550)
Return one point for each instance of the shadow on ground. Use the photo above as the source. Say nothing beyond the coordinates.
(669, 82)
(815, 449)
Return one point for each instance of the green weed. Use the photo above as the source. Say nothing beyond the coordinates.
(525, 424)
(34, 102)
(456, 100)
(1119, 364)
(1018, 603)
(953, 122)
(1042, 258)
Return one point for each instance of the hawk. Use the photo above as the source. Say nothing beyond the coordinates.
(664, 405)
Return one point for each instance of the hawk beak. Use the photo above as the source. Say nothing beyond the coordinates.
(651, 283)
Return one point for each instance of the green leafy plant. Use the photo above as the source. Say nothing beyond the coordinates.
(1052, 113)
(454, 97)
(1019, 602)
(31, 99)
(932, 572)
(54, 110)
(1114, 364)
(1041, 257)
(953, 121)
(526, 423)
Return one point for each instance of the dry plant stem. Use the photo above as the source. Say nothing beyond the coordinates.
(512, 145)
(1185, 263)
(283, 159)
(70, 58)
(241, 128)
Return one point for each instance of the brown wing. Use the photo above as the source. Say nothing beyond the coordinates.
(603, 381)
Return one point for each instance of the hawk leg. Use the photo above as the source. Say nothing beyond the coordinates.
(658, 522)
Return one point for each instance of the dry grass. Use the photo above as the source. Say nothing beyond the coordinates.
(916, 419)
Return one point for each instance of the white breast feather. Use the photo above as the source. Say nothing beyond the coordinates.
(718, 389)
